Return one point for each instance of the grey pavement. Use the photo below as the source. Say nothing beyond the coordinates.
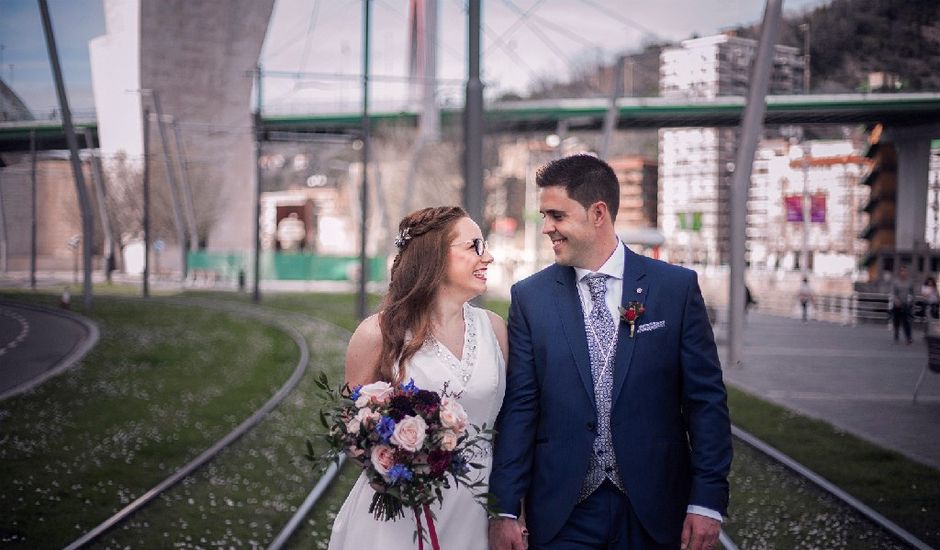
(37, 343)
(853, 377)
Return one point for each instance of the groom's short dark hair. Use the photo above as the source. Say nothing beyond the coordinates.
(586, 178)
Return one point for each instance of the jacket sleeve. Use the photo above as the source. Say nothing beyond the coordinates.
(704, 406)
(518, 417)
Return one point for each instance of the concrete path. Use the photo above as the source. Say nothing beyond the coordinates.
(37, 343)
(854, 377)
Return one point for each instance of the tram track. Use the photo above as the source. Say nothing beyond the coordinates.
(902, 535)
(266, 316)
(281, 320)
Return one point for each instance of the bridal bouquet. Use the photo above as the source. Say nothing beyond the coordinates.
(412, 443)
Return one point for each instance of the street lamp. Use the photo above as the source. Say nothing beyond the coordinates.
(797, 153)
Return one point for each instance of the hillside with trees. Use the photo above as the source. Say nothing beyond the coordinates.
(848, 40)
(851, 38)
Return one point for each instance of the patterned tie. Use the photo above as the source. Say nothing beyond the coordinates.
(602, 337)
(601, 322)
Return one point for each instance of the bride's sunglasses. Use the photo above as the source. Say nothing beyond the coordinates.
(479, 245)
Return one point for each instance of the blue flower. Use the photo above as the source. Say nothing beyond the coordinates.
(385, 428)
(399, 472)
(458, 465)
(410, 387)
(355, 393)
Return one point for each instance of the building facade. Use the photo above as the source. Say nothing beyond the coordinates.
(192, 64)
(817, 181)
(696, 164)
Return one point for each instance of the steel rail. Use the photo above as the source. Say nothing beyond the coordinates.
(294, 523)
(830, 488)
(232, 436)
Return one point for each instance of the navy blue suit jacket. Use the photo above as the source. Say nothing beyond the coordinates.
(669, 419)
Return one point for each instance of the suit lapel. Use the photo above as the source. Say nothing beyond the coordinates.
(635, 289)
(572, 321)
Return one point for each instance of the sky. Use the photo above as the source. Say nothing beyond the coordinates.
(522, 40)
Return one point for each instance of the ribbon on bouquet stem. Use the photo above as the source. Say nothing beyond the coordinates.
(432, 532)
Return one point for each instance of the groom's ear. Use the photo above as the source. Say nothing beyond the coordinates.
(599, 212)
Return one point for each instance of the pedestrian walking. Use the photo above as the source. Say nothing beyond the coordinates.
(749, 300)
(900, 302)
(806, 298)
(931, 297)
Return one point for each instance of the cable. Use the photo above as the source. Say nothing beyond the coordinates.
(457, 56)
(565, 32)
(628, 22)
(307, 42)
(538, 33)
(292, 40)
(512, 28)
(511, 54)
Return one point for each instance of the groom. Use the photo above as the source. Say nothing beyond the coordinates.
(614, 433)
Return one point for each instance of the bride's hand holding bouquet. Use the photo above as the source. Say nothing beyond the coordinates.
(410, 442)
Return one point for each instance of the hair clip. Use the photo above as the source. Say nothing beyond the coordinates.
(402, 239)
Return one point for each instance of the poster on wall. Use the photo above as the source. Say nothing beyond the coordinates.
(817, 208)
(793, 204)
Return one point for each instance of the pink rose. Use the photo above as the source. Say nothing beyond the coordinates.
(383, 458)
(448, 440)
(409, 433)
(364, 417)
(355, 452)
(376, 392)
(453, 415)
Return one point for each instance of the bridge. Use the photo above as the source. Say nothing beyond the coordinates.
(895, 111)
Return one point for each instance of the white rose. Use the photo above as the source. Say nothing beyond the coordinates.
(410, 433)
(448, 440)
(364, 416)
(376, 392)
(453, 415)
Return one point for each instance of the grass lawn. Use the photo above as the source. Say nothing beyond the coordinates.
(902, 490)
(163, 384)
(248, 492)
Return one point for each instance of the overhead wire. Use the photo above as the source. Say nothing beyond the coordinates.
(292, 40)
(307, 39)
(501, 39)
(538, 32)
(624, 20)
(443, 47)
(511, 54)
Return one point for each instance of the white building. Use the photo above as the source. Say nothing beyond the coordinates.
(721, 65)
(932, 236)
(696, 163)
(819, 179)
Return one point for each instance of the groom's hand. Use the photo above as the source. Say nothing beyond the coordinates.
(507, 534)
(700, 532)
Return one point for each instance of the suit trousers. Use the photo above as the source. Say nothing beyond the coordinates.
(603, 521)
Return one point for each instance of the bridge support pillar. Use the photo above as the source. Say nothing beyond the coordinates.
(911, 217)
(912, 144)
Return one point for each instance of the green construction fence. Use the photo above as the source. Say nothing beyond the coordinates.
(286, 266)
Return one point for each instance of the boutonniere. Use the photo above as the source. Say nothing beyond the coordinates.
(630, 314)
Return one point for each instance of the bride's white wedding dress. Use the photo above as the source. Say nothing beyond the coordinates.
(461, 522)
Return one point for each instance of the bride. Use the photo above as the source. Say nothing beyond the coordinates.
(427, 331)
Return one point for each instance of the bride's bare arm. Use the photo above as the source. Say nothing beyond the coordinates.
(362, 355)
(502, 335)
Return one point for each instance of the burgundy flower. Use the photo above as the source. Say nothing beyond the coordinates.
(439, 461)
(399, 407)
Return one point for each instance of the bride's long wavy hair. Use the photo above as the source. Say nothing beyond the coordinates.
(418, 271)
